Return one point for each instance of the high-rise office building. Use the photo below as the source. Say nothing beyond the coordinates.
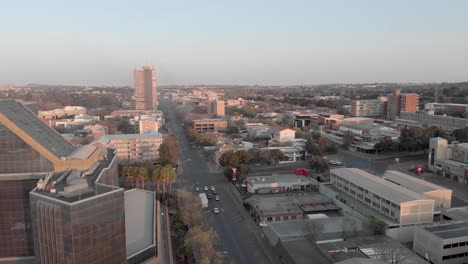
(146, 92)
(401, 102)
(28, 150)
(58, 203)
(369, 107)
(217, 107)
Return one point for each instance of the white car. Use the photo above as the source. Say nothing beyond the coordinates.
(205, 188)
(197, 189)
(217, 198)
(216, 210)
(213, 188)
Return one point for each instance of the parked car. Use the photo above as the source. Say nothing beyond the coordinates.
(216, 210)
(197, 189)
(217, 198)
(205, 188)
(212, 188)
(209, 197)
(213, 192)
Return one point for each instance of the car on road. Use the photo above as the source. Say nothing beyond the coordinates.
(205, 188)
(209, 197)
(197, 189)
(213, 192)
(217, 198)
(212, 188)
(216, 210)
(335, 162)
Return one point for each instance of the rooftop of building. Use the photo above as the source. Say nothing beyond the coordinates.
(295, 203)
(453, 163)
(377, 185)
(209, 120)
(72, 185)
(303, 251)
(361, 261)
(32, 126)
(410, 182)
(361, 126)
(449, 231)
(281, 178)
(457, 213)
(358, 118)
(148, 134)
(305, 227)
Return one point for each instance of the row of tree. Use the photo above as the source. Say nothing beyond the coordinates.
(147, 178)
(199, 240)
(198, 138)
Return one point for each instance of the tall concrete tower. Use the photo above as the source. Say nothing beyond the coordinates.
(146, 91)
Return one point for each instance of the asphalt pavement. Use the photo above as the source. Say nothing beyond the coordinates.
(239, 236)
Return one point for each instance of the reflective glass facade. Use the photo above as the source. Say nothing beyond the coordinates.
(88, 231)
(17, 156)
(15, 219)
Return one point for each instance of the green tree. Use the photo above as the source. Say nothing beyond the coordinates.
(277, 155)
(348, 139)
(319, 164)
(377, 226)
(169, 151)
(156, 177)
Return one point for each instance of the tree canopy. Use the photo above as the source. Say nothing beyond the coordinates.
(169, 151)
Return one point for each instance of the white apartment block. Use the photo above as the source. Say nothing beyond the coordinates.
(423, 120)
(383, 198)
(441, 195)
(369, 107)
(134, 147)
(449, 160)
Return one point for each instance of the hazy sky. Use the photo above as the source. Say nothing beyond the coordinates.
(233, 42)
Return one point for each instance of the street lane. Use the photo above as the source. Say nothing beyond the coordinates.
(236, 230)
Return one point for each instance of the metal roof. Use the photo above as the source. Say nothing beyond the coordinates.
(378, 186)
(29, 123)
(449, 231)
(411, 183)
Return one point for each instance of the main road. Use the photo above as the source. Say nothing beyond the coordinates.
(240, 238)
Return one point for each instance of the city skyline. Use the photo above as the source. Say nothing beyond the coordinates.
(238, 43)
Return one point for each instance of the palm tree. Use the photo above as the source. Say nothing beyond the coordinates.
(143, 175)
(156, 176)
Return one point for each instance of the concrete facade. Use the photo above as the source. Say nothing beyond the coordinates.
(423, 120)
(449, 160)
(444, 244)
(369, 107)
(209, 125)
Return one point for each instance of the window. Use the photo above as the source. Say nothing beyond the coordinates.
(269, 219)
(462, 244)
(454, 245)
(448, 246)
(277, 218)
(293, 217)
(285, 218)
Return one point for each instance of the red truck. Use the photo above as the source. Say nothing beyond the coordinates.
(302, 171)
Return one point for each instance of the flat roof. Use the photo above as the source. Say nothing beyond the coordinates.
(379, 186)
(300, 228)
(75, 175)
(303, 251)
(410, 182)
(209, 120)
(133, 136)
(289, 203)
(453, 163)
(281, 178)
(82, 152)
(449, 231)
(457, 213)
